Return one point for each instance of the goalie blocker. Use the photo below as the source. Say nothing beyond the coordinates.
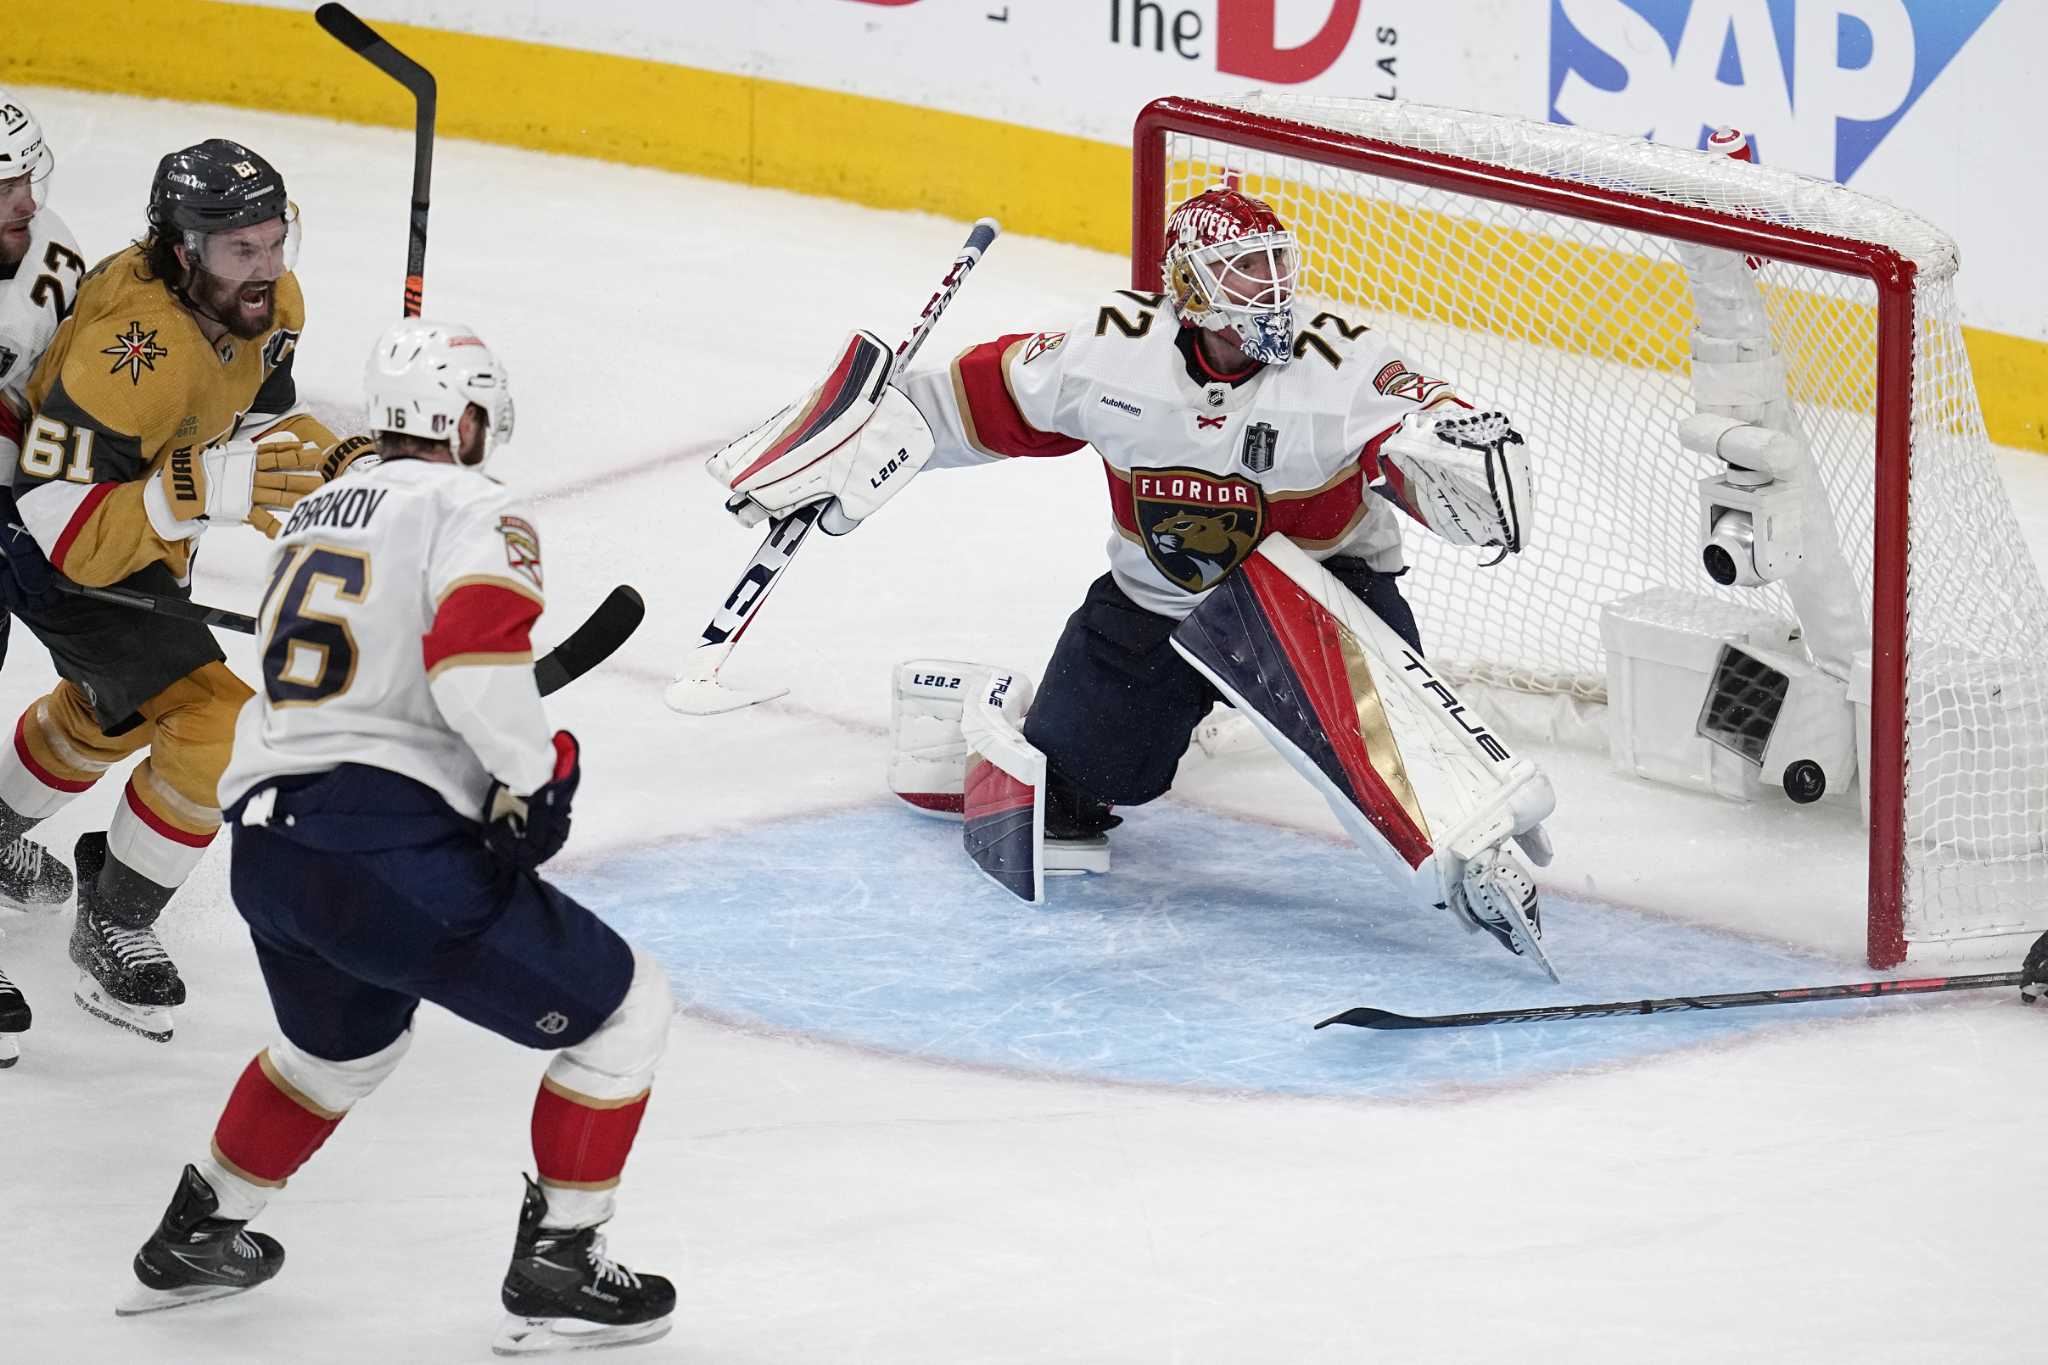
(1423, 787)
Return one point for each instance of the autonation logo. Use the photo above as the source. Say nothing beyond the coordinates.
(1820, 83)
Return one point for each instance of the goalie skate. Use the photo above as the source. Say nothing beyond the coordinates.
(1498, 895)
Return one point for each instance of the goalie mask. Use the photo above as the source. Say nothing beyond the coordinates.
(424, 375)
(25, 164)
(1229, 267)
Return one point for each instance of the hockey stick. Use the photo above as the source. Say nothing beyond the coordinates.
(591, 643)
(696, 691)
(177, 608)
(1367, 1017)
(368, 44)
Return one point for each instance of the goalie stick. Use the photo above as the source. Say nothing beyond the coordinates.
(696, 690)
(1366, 1017)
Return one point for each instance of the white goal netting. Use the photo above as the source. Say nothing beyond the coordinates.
(1581, 330)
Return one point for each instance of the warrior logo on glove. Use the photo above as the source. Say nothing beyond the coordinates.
(1197, 527)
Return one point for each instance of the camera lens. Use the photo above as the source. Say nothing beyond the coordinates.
(1720, 565)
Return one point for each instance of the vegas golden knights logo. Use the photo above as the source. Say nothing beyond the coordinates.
(1196, 527)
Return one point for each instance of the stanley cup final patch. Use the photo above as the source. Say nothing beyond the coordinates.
(1261, 443)
(522, 547)
(1196, 527)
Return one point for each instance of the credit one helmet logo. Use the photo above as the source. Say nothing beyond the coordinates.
(1820, 83)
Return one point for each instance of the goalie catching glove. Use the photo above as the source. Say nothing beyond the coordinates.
(851, 444)
(1465, 478)
(238, 480)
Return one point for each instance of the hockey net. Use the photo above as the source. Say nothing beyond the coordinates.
(1534, 266)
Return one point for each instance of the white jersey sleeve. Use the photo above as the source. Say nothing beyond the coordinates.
(484, 580)
(1003, 399)
(396, 633)
(32, 304)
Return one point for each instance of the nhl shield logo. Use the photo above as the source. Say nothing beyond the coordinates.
(1261, 443)
(1195, 527)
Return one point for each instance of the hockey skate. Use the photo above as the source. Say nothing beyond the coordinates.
(125, 976)
(31, 877)
(193, 1256)
(564, 1294)
(14, 1020)
(1077, 829)
(1497, 894)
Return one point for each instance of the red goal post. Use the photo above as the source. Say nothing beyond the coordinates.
(1383, 191)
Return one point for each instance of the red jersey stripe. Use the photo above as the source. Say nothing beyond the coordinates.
(99, 493)
(990, 415)
(480, 618)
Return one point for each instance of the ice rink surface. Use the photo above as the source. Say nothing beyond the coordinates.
(904, 1119)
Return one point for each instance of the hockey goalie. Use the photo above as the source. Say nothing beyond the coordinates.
(1259, 467)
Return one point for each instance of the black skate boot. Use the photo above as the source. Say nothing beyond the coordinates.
(564, 1294)
(1077, 827)
(126, 976)
(31, 877)
(14, 1019)
(194, 1256)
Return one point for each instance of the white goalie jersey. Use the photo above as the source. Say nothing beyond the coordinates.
(32, 305)
(395, 633)
(1200, 467)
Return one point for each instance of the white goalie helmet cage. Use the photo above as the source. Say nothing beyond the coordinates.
(22, 149)
(423, 376)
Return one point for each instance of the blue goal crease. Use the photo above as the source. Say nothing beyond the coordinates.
(1202, 960)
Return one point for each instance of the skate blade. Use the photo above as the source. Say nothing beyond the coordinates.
(142, 1299)
(151, 1021)
(10, 1051)
(1072, 857)
(547, 1336)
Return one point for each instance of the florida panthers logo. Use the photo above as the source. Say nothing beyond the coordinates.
(1196, 527)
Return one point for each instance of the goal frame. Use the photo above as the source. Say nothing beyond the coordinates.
(1890, 274)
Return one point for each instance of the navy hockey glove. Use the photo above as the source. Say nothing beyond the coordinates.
(529, 830)
(30, 579)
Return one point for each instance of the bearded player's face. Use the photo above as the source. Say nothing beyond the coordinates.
(17, 208)
(235, 275)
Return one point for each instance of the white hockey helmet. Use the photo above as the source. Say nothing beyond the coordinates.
(424, 375)
(23, 153)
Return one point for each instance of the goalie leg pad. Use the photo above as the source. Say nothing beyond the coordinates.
(927, 751)
(1417, 780)
(1003, 821)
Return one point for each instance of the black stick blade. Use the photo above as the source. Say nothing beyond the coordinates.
(591, 643)
(1366, 1017)
(342, 24)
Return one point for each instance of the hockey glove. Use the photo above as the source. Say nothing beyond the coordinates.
(31, 580)
(1465, 478)
(239, 480)
(528, 830)
(341, 457)
(850, 443)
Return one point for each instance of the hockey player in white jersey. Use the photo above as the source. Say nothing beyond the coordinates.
(393, 787)
(1234, 435)
(40, 267)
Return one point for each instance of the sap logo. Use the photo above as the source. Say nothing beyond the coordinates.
(1820, 83)
(942, 681)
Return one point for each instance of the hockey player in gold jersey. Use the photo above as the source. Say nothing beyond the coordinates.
(164, 406)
